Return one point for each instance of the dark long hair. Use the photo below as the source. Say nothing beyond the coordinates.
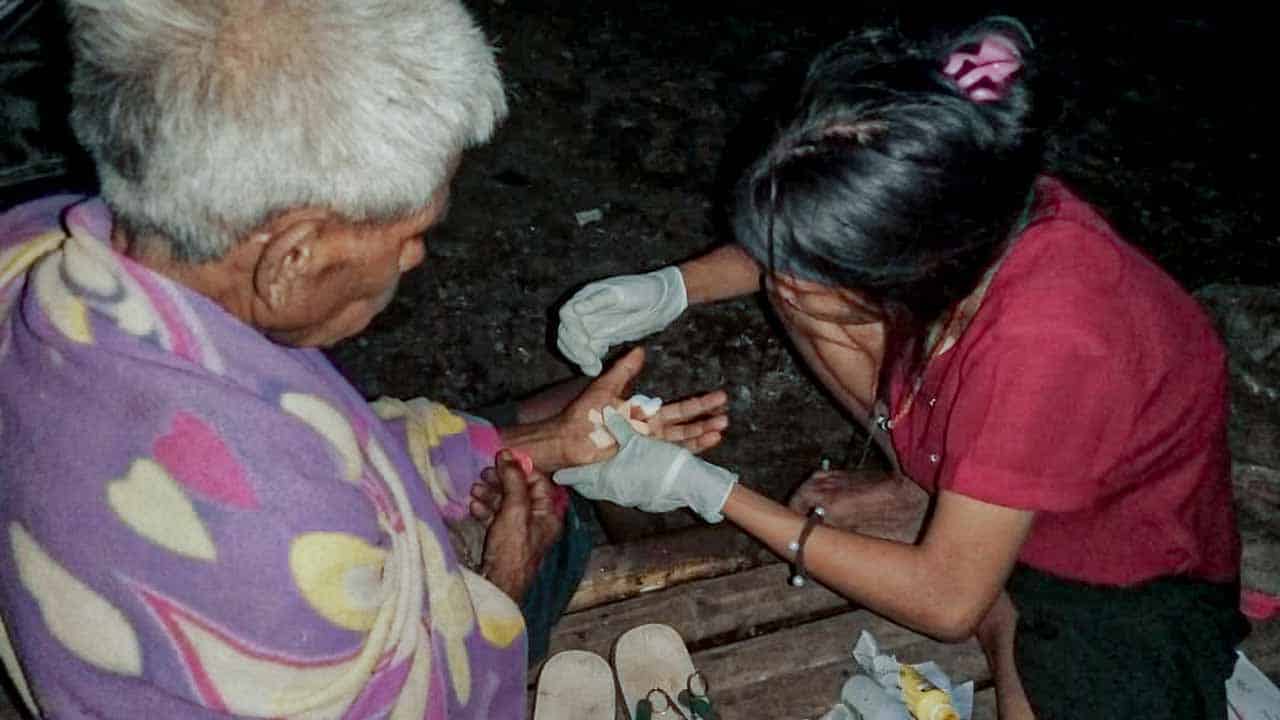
(890, 180)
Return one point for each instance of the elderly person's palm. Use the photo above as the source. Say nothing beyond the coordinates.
(696, 422)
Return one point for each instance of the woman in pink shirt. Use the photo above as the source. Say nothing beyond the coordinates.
(1059, 400)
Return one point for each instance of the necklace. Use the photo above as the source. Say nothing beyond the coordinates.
(944, 341)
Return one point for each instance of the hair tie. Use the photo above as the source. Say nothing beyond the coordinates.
(984, 75)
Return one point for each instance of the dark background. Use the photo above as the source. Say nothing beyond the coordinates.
(642, 110)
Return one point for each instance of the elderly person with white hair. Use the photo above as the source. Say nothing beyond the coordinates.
(201, 517)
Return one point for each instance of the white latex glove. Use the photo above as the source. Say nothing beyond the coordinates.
(616, 310)
(652, 475)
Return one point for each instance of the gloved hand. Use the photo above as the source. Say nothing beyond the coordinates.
(616, 310)
(652, 475)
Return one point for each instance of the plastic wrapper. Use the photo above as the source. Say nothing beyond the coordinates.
(874, 692)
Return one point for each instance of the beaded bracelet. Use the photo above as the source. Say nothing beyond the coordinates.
(816, 516)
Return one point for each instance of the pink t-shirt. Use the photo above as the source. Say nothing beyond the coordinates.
(1090, 388)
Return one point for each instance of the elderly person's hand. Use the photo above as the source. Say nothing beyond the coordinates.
(523, 523)
(697, 423)
(564, 440)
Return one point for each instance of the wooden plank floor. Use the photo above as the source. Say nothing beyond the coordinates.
(773, 651)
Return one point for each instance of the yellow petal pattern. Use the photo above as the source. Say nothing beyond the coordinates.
(444, 422)
(389, 408)
(326, 420)
(340, 577)
(500, 619)
(83, 621)
(426, 423)
(15, 260)
(154, 506)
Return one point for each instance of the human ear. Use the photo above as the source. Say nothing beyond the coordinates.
(290, 258)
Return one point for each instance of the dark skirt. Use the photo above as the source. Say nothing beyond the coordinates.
(1163, 649)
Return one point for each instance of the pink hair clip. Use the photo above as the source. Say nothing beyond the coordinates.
(983, 75)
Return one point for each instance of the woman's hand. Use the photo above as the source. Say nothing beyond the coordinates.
(870, 502)
(523, 523)
(651, 475)
(616, 310)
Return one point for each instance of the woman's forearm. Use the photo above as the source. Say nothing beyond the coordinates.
(905, 583)
(725, 272)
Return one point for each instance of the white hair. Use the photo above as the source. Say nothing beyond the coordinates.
(206, 117)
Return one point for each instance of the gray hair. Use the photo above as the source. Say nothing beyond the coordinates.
(207, 117)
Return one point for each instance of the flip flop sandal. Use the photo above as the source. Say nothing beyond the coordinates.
(657, 677)
(575, 685)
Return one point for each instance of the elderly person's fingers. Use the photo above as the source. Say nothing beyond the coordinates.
(522, 530)
(697, 435)
(574, 426)
(703, 442)
(541, 493)
(618, 379)
(513, 483)
(692, 428)
(546, 514)
(698, 422)
(486, 497)
(693, 407)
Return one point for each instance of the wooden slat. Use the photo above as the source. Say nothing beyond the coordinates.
(984, 704)
(812, 696)
(618, 572)
(797, 672)
(707, 612)
(765, 643)
(779, 652)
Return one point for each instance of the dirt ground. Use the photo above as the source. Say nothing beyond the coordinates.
(641, 110)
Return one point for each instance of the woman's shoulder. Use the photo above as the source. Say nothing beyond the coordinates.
(1069, 273)
(1069, 231)
(1068, 247)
